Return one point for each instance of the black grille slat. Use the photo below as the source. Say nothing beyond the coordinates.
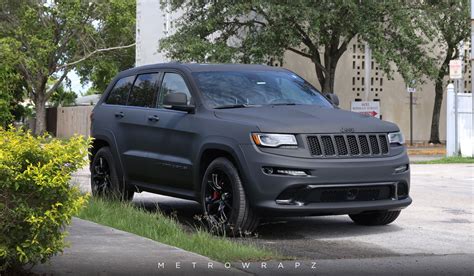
(374, 144)
(341, 145)
(344, 145)
(328, 145)
(353, 145)
(314, 146)
(364, 144)
(345, 194)
(383, 144)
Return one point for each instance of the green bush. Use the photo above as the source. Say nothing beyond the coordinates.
(36, 199)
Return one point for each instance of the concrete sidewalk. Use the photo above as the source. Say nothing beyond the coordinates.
(423, 158)
(101, 250)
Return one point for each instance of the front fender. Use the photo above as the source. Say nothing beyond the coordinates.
(222, 143)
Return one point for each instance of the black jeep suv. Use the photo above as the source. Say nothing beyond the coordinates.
(246, 141)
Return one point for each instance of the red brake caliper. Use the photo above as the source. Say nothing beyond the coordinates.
(215, 195)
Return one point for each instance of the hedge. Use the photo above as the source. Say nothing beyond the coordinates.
(36, 199)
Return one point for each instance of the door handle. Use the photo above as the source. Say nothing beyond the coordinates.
(153, 118)
(119, 115)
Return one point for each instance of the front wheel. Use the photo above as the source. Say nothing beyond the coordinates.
(375, 218)
(226, 208)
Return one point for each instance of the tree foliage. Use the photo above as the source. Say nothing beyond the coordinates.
(63, 97)
(451, 24)
(11, 90)
(254, 31)
(118, 29)
(12, 94)
(48, 39)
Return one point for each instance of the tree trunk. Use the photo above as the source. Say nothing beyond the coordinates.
(327, 81)
(434, 137)
(40, 124)
(327, 76)
(439, 89)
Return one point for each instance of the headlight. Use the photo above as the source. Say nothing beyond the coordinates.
(274, 140)
(396, 138)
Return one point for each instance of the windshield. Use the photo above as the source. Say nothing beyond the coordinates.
(227, 89)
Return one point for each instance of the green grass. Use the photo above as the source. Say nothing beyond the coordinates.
(156, 226)
(448, 160)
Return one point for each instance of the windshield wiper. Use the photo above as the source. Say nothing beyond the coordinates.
(285, 104)
(235, 106)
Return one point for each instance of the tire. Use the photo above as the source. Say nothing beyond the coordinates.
(375, 218)
(105, 180)
(238, 219)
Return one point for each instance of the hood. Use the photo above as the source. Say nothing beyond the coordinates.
(305, 119)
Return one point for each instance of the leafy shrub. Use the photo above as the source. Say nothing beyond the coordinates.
(36, 200)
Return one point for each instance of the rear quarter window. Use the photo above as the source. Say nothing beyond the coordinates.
(119, 93)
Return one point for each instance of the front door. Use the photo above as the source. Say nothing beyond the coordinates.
(172, 147)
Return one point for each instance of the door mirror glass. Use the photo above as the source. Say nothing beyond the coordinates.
(174, 99)
(177, 101)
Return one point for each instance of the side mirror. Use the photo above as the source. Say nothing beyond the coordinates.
(333, 98)
(178, 101)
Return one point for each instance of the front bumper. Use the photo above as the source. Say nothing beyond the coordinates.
(265, 190)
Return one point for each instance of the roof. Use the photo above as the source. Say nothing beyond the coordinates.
(206, 67)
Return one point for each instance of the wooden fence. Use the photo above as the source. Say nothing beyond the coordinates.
(73, 120)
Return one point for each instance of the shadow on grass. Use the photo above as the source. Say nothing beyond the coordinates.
(302, 237)
(185, 212)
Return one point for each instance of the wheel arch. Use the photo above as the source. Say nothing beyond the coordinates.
(210, 152)
(97, 144)
(105, 139)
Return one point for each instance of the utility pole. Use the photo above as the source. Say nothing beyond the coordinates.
(411, 119)
(367, 69)
(472, 67)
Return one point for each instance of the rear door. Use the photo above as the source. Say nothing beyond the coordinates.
(112, 112)
(136, 126)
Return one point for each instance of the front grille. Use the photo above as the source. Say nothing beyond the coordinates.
(344, 194)
(343, 145)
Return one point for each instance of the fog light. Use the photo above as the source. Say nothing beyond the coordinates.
(291, 172)
(267, 170)
(401, 169)
(284, 171)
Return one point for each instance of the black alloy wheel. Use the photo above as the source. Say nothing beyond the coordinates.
(101, 177)
(225, 205)
(106, 181)
(218, 197)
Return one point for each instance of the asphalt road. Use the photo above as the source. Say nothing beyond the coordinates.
(433, 236)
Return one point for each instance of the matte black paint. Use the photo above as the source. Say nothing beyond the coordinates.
(164, 154)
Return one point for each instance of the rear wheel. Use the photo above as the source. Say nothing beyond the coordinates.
(226, 208)
(375, 218)
(105, 180)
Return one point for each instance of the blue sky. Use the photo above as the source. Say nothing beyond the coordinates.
(76, 85)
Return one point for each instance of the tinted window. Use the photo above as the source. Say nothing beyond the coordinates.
(143, 90)
(119, 93)
(227, 88)
(173, 83)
